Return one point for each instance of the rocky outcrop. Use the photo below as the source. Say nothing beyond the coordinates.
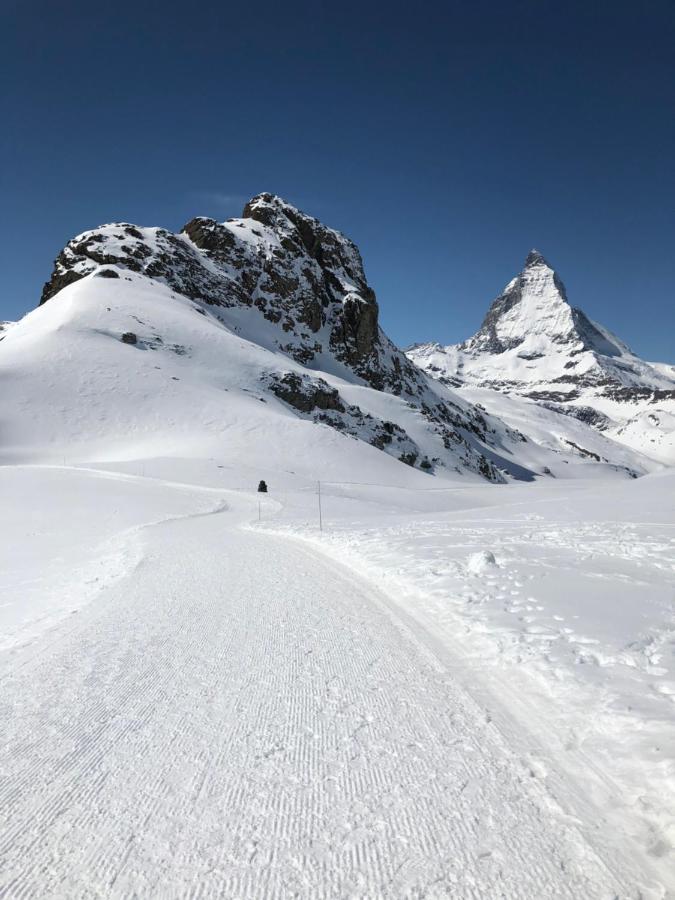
(153, 252)
(300, 274)
(305, 394)
(307, 283)
(316, 400)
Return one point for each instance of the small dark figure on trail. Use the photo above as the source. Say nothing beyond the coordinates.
(262, 488)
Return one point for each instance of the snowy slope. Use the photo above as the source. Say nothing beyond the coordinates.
(534, 344)
(231, 339)
(190, 385)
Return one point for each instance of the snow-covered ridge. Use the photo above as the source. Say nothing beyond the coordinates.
(534, 344)
(234, 337)
(256, 332)
(301, 275)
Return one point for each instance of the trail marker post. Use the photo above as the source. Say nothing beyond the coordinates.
(320, 516)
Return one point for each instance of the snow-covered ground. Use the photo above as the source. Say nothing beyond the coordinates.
(556, 605)
(452, 690)
(452, 677)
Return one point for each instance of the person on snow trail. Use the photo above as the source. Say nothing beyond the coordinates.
(262, 487)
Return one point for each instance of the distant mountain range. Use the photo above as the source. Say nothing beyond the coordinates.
(259, 338)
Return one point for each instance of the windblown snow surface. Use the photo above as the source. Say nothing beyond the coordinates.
(455, 691)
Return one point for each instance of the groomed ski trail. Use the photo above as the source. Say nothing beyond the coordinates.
(239, 718)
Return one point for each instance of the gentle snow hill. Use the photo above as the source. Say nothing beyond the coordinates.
(534, 344)
(50, 572)
(255, 339)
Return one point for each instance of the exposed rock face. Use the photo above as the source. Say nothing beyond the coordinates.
(303, 288)
(305, 394)
(300, 274)
(317, 401)
(153, 252)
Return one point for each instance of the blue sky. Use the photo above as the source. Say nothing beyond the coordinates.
(445, 138)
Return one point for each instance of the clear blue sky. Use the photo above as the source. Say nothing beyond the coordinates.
(446, 138)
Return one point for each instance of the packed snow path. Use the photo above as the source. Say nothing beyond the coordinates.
(242, 718)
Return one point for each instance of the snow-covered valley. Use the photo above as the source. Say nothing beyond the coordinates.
(435, 659)
(442, 693)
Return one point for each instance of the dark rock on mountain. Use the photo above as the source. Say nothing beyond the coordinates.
(316, 400)
(300, 274)
(304, 292)
(305, 394)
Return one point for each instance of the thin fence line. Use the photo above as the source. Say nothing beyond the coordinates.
(398, 487)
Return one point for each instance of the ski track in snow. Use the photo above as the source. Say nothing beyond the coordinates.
(581, 674)
(215, 727)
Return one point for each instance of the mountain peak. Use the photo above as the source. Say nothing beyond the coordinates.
(281, 216)
(299, 274)
(531, 310)
(535, 258)
(267, 203)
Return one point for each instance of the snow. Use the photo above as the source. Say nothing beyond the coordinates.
(195, 385)
(592, 450)
(542, 317)
(464, 691)
(535, 345)
(556, 605)
(369, 682)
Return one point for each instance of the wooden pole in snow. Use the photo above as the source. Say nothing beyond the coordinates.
(320, 516)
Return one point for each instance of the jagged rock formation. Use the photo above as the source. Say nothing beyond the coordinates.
(306, 284)
(301, 275)
(534, 344)
(317, 401)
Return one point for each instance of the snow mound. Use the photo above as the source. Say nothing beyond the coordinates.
(481, 562)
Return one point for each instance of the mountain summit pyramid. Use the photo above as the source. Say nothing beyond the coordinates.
(533, 343)
(533, 315)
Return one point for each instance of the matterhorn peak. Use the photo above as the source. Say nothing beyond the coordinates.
(535, 258)
(533, 342)
(532, 310)
(541, 276)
